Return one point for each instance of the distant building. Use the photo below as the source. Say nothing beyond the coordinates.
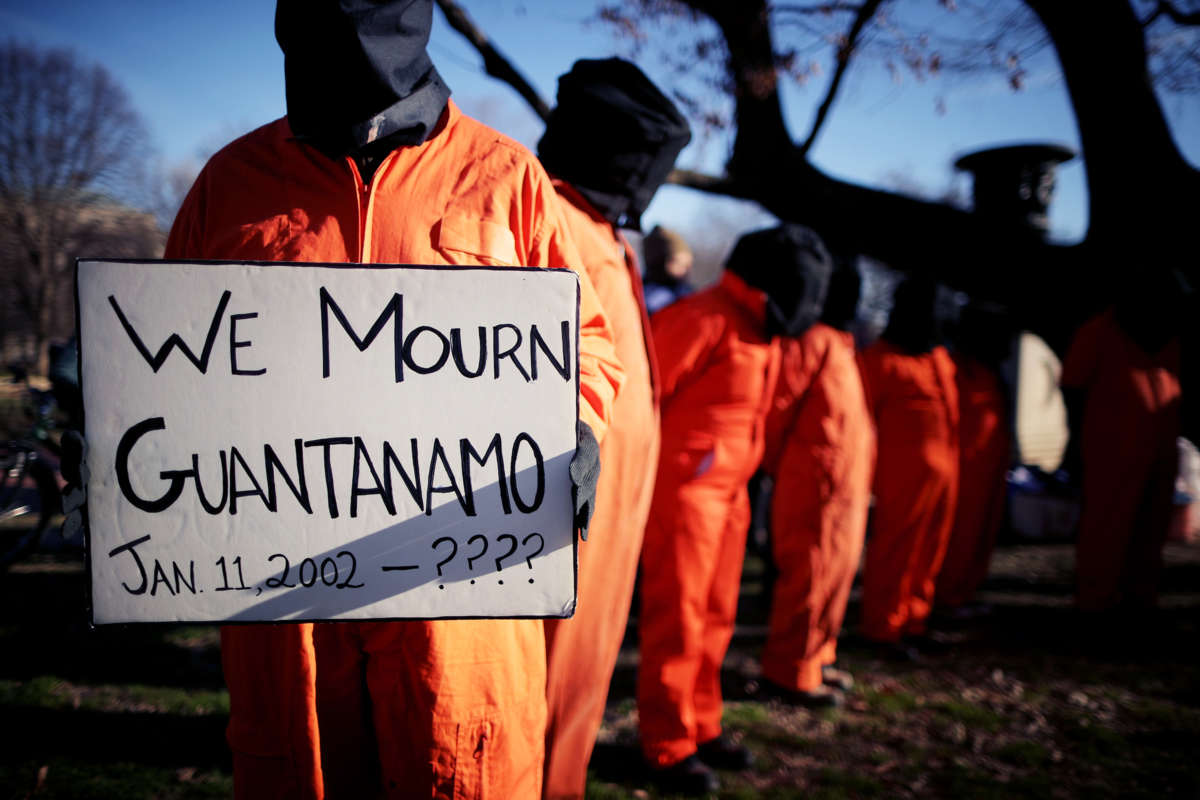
(95, 228)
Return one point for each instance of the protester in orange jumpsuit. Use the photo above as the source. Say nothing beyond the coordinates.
(909, 379)
(820, 453)
(982, 343)
(374, 164)
(1121, 383)
(609, 143)
(719, 363)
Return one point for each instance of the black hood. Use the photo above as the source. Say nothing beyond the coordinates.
(985, 332)
(789, 263)
(1152, 308)
(613, 136)
(921, 311)
(357, 72)
(841, 302)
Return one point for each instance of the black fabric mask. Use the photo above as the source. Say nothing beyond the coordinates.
(613, 136)
(841, 302)
(921, 311)
(357, 72)
(1152, 310)
(789, 263)
(984, 331)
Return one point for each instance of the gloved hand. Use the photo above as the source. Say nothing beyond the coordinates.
(585, 473)
(73, 465)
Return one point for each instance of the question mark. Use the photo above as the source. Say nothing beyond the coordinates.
(447, 559)
(511, 550)
(472, 559)
(541, 546)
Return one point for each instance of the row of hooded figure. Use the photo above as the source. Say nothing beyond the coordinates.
(761, 371)
(912, 431)
(374, 163)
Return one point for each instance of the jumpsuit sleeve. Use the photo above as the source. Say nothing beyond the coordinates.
(186, 237)
(799, 364)
(600, 372)
(684, 340)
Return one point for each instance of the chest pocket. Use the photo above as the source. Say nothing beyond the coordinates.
(467, 241)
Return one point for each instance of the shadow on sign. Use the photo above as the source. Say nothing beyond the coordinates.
(456, 552)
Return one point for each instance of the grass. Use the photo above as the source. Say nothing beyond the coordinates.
(973, 716)
(890, 701)
(1024, 753)
(64, 778)
(1024, 705)
(49, 692)
(834, 783)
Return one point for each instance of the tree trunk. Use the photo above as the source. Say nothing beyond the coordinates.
(1135, 174)
(914, 235)
(1141, 191)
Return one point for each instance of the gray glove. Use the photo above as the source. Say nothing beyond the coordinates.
(585, 473)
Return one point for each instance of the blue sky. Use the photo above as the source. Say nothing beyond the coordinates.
(202, 73)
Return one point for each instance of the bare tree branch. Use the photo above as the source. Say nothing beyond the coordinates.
(707, 183)
(70, 141)
(498, 66)
(1179, 17)
(824, 9)
(494, 63)
(865, 12)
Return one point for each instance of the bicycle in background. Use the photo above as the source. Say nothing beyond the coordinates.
(30, 483)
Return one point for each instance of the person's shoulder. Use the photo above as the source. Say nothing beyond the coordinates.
(1094, 331)
(575, 208)
(820, 338)
(482, 141)
(251, 146)
(705, 312)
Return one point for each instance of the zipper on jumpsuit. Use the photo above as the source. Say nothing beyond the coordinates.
(364, 194)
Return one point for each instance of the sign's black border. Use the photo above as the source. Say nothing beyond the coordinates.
(87, 546)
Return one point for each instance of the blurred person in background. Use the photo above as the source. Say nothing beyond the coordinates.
(719, 361)
(609, 144)
(910, 387)
(668, 265)
(1120, 381)
(820, 452)
(982, 342)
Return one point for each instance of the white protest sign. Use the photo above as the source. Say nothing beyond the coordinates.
(307, 442)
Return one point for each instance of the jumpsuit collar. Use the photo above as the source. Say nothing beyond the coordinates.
(569, 191)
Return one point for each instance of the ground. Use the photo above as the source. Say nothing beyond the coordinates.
(1031, 701)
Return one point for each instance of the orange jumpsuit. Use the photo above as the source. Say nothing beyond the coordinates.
(458, 706)
(984, 452)
(915, 406)
(582, 651)
(718, 375)
(820, 452)
(1130, 423)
